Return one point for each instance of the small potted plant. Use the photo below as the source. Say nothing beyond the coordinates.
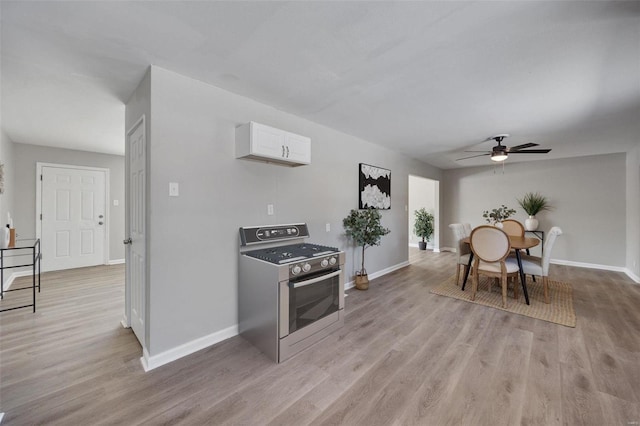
(366, 230)
(496, 216)
(533, 203)
(423, 227)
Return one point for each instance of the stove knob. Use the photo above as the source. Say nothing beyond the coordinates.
(332, 261)
(296, 270)
(306, 267)
(324, 263)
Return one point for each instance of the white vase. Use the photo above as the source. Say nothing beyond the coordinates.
(531, 224)
(499, 225)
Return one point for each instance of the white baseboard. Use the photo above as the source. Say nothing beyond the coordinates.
(1, 416)
(116, 262)
(633, 276)
(377, 274)
(451, 249)
(151, 362)
(15, 275)
(627, 271)
(429, 247)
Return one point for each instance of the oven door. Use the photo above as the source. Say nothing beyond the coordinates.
(308, 299)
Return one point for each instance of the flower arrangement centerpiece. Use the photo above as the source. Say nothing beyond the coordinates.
(496, 216)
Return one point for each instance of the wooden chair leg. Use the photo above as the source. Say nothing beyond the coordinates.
(545, 285)
(457, 274)
(474, 286)
(504, 291)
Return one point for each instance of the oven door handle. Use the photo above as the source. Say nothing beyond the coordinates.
(315, 280)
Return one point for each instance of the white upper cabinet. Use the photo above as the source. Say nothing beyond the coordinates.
(259, 142)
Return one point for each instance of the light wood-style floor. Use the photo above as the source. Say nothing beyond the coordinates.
(405, 356)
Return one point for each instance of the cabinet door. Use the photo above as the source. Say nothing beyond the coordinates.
(298, 148)
(267, 141)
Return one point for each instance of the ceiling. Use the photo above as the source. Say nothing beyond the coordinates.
(428, 79)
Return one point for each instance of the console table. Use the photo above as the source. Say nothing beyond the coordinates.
(29, 249)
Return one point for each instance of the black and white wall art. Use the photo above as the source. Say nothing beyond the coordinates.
(375, 187)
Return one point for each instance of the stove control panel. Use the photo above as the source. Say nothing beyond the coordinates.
(272, 233)
(313, 265)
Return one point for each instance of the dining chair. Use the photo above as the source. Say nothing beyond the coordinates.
(467, 229)
(513, 227)
(533, 265)
(491, 247)
(463, 249)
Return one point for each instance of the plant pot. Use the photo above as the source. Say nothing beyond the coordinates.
(531, 224)
(422, 245)
(362, 282)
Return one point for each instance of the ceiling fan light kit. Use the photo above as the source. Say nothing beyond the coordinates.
(499, 153)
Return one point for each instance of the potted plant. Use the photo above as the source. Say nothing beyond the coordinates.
(496, 216)
(423, 227)
(366, 230)
(533, 203)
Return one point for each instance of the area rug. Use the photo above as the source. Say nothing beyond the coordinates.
(559, 311)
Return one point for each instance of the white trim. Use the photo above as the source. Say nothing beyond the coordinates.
(587, 265)
(151, 362)
(429, 247)
(385, 271)
(116, 262)
(15, 275)
(631, 275)
(107, 197)
(1, 416)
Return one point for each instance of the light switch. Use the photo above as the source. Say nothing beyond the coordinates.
(116, 202)
(174, 189)
(327, 227)
(270, 209)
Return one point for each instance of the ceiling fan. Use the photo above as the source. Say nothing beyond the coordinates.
(501, 152)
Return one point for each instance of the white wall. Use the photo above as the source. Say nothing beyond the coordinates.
(633, 212)
(588, 194)
(422, 194)
(194, 237)
(25, 159)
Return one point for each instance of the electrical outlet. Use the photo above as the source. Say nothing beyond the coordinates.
(328, 227)
(270, 209)
(174, 189)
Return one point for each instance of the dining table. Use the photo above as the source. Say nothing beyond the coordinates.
(517, 243)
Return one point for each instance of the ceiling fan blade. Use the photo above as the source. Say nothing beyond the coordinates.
(523, 146)
(531, 151)
(473, 156)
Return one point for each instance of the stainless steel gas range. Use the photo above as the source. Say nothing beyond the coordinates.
(290, 293)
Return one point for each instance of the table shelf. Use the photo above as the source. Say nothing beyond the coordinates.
(22, 248)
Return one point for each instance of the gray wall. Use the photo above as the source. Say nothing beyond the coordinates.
(7, 198)
(588, 194)
(633, 211)
(422, 194)
(194, 237)
(25, 159)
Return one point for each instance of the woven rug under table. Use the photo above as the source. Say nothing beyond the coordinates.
(559, 311)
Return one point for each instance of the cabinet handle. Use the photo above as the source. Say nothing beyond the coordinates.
(287, 152)
(283, 150)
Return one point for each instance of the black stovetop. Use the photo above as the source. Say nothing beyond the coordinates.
(291, 253)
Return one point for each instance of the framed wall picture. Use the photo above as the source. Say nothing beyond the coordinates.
(375, 187)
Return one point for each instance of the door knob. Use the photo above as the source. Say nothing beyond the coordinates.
(100, 223)
(127, 241)
(100, 217)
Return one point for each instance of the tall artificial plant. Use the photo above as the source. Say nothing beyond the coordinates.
(423, 226)
(365, 228)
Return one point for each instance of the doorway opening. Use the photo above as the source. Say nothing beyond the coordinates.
(424, 193)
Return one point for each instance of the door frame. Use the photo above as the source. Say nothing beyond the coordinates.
(126, 320)
(107, 197)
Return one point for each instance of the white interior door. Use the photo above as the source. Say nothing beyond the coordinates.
(73, 220)
(136, 221)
